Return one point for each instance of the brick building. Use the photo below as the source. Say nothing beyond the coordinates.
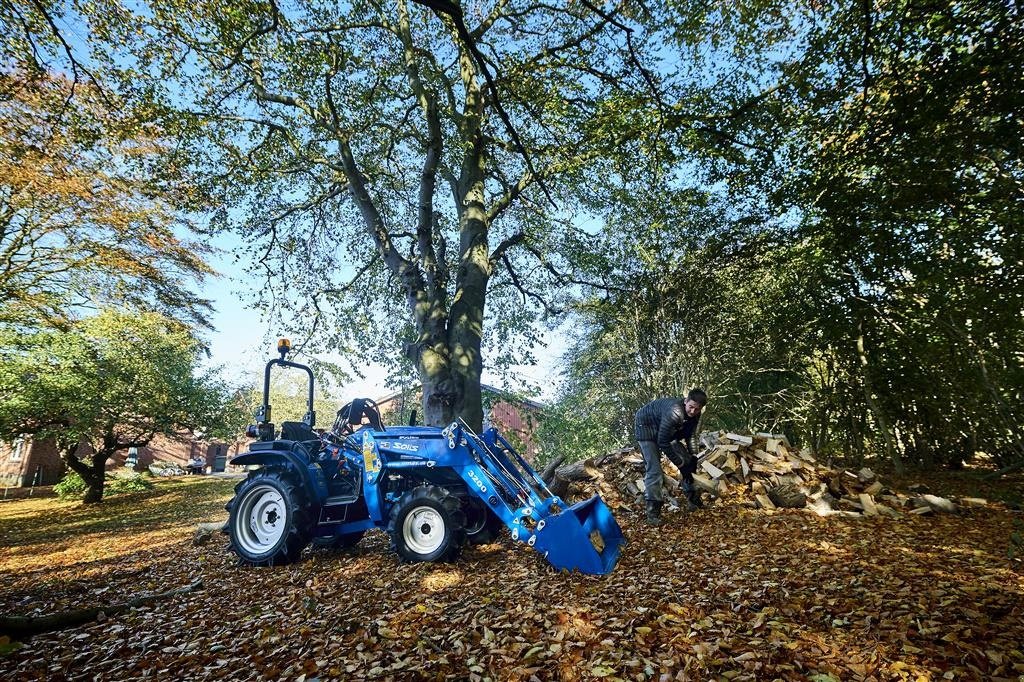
(516, 418)
(27, 462)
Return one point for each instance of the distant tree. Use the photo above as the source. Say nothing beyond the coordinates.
(111, 382)
(288, 398)
(86, 217)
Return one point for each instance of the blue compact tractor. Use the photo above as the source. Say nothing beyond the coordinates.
(432, 489)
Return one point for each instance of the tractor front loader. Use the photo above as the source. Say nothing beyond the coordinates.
(432, 489)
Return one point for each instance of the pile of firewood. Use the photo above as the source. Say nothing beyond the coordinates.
(762, 470)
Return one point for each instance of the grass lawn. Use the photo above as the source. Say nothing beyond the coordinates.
(726, 593)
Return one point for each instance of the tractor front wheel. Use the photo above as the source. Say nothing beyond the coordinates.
(269, 523)
(427, 524)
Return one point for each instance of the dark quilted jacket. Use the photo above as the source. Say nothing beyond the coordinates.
(663, 421)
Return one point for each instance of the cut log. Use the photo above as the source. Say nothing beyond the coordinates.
(204, 532)
(788, 496)
(572, 473)
(549, 470)
(866, 475)
(705, 484)
(868, 503)
(935, 502)
(973, 502)
(712, 470)
(764, 502)
(19, 627)
(745, 469)
(874, 489)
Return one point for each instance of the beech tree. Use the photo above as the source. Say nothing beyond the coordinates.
(390, 157)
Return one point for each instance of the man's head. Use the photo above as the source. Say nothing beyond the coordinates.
(695, 402)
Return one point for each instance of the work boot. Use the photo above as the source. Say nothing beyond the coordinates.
(693, 501)
(653, 513)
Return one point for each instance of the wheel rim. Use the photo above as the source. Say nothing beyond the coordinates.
(261, 520)
(423, 530)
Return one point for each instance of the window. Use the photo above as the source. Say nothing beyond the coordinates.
(17, 449)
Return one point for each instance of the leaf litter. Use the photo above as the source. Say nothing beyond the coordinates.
(726, 593)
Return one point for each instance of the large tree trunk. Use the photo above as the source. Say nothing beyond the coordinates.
(92, 473)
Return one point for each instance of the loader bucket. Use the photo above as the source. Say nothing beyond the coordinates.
(584, 537)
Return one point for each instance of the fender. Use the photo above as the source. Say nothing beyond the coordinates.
(311, 474)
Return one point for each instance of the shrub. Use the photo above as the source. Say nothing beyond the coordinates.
(126, 483)
(71, 487)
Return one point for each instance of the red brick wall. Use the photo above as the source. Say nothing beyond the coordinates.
(41, 457)
(40, 464)
(517, 425)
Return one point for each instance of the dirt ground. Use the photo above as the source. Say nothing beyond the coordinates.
(726, 593)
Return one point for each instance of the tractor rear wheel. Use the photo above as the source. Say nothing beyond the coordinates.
(269, 523)
(482, 525)
(427, 524)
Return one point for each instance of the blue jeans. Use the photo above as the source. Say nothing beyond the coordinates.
(653, 476)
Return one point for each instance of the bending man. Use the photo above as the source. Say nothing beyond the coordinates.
(669, 426)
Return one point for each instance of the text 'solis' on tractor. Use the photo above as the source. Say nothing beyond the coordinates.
(432, 489)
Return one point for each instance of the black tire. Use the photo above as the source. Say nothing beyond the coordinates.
(482, 525)
(343, 541)
(269, 521)
(427, 524)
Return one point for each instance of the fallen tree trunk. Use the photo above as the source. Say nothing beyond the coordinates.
(570, 473)
(19, 627)
(549, 470)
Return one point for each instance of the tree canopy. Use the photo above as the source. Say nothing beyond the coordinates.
(109, 382)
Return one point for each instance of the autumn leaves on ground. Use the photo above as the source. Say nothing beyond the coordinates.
(729, 592)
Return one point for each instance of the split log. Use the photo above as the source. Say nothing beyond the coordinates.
(742, 440)
(20, 627)
(868, 503)
(712, 470)
(936, 503)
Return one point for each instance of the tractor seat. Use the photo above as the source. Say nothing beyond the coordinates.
(299, 431)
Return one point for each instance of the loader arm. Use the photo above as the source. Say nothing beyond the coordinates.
(583, 536)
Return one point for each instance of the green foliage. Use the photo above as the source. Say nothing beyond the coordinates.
(71, 487)
(871, 301)
(112, 381)
(74, 487)
(127, 483)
